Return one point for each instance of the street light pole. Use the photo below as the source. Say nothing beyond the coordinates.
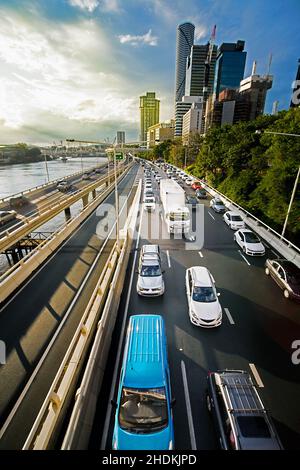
(296, 180)
(46, 165)
(290, 204)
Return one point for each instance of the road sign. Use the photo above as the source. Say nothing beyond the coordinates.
(119, 156)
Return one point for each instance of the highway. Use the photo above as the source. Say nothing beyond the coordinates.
(48, 309)
(42, 199)
(258, 328)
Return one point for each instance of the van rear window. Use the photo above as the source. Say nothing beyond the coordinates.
(253, 426)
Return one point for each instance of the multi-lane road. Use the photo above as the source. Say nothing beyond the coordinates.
(259, 326)
(46, 310)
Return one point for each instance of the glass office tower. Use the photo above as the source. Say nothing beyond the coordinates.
(230, 66)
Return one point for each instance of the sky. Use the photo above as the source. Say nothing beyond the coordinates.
(76, 68)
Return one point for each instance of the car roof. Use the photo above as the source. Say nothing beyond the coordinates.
(233, 213)
(246, 230)
(150, 261)
(201, 276)
(288, 265)
(150, 248)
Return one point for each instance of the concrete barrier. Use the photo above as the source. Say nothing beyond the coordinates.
(82, 418)
(103, 303)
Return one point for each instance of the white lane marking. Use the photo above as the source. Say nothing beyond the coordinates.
(60, 248)
(114, 379)
(188, 406)
(168, 256)
(57, 332)
(231, 320)
(211, 215)
(274, 253)
(244, 257)
(256, 375)
(201, 255)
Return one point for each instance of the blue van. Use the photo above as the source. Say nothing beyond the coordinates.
(144, 419)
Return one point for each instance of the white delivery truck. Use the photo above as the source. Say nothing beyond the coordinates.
(176, 214)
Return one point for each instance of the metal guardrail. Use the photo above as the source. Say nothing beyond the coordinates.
(44, 185)
(284, 246)
(51, 412)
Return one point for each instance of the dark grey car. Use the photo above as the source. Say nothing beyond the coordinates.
(240, 418)
(286, 274)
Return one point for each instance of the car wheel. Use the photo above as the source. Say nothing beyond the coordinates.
(286, 293)
(208, 403)
(267, 271)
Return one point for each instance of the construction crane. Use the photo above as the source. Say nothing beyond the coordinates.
(207, 65)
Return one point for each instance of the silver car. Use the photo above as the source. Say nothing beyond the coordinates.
(150, 281)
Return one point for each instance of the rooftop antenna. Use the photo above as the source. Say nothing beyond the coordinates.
(254, 67)
(269, 64)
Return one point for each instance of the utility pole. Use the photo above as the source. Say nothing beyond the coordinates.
(290, 204)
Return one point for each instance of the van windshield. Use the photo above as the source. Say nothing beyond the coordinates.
(143, 410)
(204, 294)
(150, 271)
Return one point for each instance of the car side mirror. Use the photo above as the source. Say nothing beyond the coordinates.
(114, 404)
(173, 402)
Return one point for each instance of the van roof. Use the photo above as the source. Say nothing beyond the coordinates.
(145, 364)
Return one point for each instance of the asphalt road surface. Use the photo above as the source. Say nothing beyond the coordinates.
(258, 328)
(32, 317)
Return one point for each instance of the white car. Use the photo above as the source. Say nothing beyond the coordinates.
(249, 242)
(233, 220)
(148, 186)
(150, 250)
(149, 203)
(188, 181)
(204, 307)
(150, 281)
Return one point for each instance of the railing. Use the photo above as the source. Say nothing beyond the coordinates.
(11, 279)
(281, 244)
(49, 184)
(99, 306)
(36, 220)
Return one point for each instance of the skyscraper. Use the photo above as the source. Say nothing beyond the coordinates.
(230, 66)
(195, 70)
(149, 114)
(254, 89)
(120, 137)
(295, 101)
(184, 42)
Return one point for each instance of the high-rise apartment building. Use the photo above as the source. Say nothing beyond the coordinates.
(184, 42)
(120, 137)
(230, 66)
(181, 108)
(149, 114)
(295, 101)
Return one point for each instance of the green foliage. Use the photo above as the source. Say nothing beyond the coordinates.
(257, 171)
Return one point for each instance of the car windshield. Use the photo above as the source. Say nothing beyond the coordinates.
(204, 294)
(251, 237)
(175, 216)
(149, 199)
(219, 203)
(150, 271)
(143, 410)
(236, 218)
(253, 426)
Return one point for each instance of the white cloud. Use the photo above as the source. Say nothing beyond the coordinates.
(57, 74)
(89, 5)
(200, 31)
(136, 40)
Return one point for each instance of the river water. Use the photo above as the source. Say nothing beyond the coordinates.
(16, 178)
(19, 177)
